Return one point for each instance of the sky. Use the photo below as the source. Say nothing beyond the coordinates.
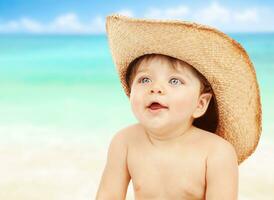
(88, 16)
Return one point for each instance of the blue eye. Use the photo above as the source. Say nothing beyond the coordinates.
(176, 81)
(146, 80)
(141, 79)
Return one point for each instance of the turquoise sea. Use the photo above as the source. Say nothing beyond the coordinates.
(61, 102)
(69, 83)
(64, 83)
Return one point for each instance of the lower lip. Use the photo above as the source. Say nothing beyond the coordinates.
(155, 110)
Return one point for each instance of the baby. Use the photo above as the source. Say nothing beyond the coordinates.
(169, 153)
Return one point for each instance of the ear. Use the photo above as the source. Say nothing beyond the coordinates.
(202, 105)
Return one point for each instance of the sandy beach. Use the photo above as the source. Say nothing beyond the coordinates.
(64, 170)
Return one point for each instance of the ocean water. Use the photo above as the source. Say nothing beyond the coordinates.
(61, 102)
(70, 83)
(62, 83)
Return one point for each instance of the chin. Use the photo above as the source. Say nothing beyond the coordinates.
(154, 125)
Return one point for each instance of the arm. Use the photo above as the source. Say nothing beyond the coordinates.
(222, 173)
(115, 178)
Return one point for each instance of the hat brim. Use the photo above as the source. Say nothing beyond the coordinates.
(221, 59)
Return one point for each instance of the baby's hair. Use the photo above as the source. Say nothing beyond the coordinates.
(134, 65)
(209, 120)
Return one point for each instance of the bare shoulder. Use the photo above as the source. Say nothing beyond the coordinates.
(222, 151)
(129, 133)
(213, 140)
(215, 144)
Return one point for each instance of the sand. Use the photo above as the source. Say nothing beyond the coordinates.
(62, 170)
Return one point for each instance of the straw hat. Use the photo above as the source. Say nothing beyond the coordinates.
(222, 60)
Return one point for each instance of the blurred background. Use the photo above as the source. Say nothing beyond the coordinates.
(61, 100)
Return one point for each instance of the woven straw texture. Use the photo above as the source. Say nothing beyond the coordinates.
(222, 60)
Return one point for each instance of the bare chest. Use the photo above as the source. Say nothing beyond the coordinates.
(167, 174)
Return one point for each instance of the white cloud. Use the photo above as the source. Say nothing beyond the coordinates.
(31, 25)
(70, 23)
(171, 13)
(251, 15)
(248, 19)
(126, 12)
(9, 26)
(66, 23)
(220, 16)
(28, 24)
(214, 14)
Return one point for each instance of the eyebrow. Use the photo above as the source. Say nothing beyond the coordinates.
(184, 74)
(141, 70)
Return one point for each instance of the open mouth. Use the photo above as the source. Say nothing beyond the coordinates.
(156, 106)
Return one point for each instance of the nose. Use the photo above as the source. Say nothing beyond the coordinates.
(156, 91)
(156, 88)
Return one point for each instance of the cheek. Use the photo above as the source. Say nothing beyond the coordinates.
(137, 95)
(136, 102)
(183, 104)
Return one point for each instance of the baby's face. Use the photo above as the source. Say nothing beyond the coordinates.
(177, 89)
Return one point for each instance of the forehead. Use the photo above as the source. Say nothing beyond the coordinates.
(176, 66)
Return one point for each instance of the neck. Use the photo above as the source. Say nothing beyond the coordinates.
(168, 136)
